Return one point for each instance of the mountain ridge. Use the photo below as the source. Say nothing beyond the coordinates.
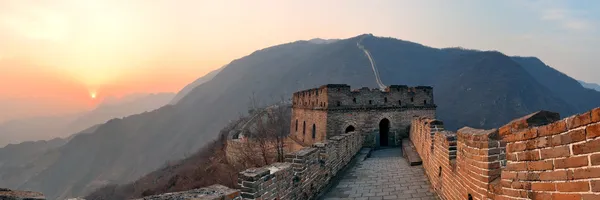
(464, 82)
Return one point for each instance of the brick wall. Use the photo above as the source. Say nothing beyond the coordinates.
(303, 175)
(538, 156)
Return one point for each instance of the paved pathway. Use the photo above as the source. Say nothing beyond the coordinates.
(384, 175)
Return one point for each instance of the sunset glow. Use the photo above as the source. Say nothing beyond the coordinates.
(67, 48)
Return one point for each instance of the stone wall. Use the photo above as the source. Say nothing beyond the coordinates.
(302, 124)
(538, 156)
(334, 108)
(303, 175)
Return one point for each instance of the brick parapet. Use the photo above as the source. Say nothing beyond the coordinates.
(304, 174)
(538, 156)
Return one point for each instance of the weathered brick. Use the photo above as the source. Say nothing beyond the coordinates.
(590, 197)
(511, 156)
(537, 143)
(537, 186)
(584, 173)
(554, 175)
(596, 115)
(568, 138)
(515, 147)
(528, 176)
(587, 147)
(529, 155)
(540, 165)
(521, 185)
(555, 152)
(505, 130)
(519, 166)
(595, 185)
(508, 175)
(592, 131)
(541, 196)
(553, 129)
(595, 159)
(579, 186)
(566, 196)
(570, 162)
(579, 120)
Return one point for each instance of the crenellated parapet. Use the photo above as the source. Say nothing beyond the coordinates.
(304, 174)
(538, 156)
(340, 96)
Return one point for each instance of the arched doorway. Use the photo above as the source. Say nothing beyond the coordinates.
(349, 129)
(384, 129)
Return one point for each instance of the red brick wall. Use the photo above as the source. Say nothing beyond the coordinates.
(534, 157)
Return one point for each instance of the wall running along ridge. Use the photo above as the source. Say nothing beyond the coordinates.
(303, 175)
(538, 156)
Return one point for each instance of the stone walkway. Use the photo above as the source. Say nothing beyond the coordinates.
(384, 175)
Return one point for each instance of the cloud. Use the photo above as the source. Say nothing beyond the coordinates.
(567, 19)
(33, 21)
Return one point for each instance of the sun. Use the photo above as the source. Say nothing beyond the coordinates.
(93, 95)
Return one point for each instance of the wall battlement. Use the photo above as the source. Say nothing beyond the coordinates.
(340, 96)
(324, 112)
(304, 174)
(539, 156)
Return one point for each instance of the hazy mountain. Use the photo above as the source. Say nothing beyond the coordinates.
(475, 88)
(128, 105)
(194, 84)
(48, 127)
(593, 86)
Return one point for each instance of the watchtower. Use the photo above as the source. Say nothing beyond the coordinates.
(383, 116)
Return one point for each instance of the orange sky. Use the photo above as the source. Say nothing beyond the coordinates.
(53, 54)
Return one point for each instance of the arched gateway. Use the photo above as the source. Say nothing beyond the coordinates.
(335, 109)
(384, 132)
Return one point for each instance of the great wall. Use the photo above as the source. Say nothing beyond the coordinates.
(538, 156)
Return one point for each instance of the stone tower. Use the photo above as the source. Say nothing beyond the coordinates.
(383, 116)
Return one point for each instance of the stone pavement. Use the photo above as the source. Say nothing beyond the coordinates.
(384, 175)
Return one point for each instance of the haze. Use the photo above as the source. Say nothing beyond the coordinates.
(55, 54)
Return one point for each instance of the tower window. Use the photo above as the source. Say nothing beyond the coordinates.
(385, 99)
(412, 99)
(424, 102)
(399, 102)
(304, 128)
(314, 131)
(339, 103)
(296, 125)
(354, 100)
(370, 101)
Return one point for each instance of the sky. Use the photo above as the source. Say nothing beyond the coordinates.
(55, 55)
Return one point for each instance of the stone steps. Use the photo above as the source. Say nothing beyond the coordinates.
(410, 153)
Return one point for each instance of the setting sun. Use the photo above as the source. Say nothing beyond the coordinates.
(93, 95)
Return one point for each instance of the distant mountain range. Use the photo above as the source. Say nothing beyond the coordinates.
(593, 86)
(49, 127)
(194, 84)
(481, 89)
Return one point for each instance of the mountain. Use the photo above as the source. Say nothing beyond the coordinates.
(117, 108)
(592, 86)
(560, 84)
(48, 127)
(194, 84)
(481, 89)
